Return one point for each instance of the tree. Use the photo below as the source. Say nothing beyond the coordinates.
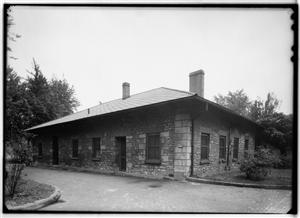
(237, 101)
(49, 100)
(17, 118)
(10, 35)
(277, 127)
(278, 131)
(35, 101)
(261, 110)
(271, 105)
(17, 105)
(39, 96)
(63, 99)
(256, 110)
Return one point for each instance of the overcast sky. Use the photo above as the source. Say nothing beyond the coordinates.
(97, 49)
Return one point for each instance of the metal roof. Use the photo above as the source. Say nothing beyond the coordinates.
(142, 99)
(150, 97)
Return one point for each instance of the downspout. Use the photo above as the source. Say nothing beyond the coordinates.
(192, 147)
(228, 147)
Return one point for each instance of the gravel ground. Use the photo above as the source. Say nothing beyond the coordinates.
(94, 192)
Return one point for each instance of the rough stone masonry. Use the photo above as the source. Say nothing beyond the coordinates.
(180, 125)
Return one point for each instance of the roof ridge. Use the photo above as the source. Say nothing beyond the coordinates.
(124, 99)
(115, 100)
(186, 92)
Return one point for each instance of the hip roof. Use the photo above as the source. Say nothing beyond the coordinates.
(154, 96)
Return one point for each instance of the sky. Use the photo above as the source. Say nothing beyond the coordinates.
(97, 49)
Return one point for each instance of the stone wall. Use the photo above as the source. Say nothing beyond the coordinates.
(174, 127)
(216, 127)
(133, 126)
(136, 153)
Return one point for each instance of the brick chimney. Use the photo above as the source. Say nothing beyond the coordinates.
(197, 82)
(126, 90)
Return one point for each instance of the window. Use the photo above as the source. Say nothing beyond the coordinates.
(40, 149)
(222, 149)
(75, 148)
(246, 148)
(204, 146)
(246, 144)
(96, 147)
(235, 148)
(153, 148)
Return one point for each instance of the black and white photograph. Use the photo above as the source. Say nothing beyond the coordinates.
(150, 108)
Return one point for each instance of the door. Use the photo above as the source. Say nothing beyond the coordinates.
(121, 143)
(55, 150)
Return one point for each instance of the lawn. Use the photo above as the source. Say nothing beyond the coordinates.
(277, 177)
(28, 191)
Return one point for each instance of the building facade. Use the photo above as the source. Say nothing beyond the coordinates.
(161, 132)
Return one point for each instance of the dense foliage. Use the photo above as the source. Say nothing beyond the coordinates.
(237, 101)
(18, 152)
(277, 127)
(11, 36)
(257, 167)
(30, 102)
(18, 111)
(35, 100)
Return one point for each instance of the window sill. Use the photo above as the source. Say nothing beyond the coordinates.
(154, 162)
(204, 162)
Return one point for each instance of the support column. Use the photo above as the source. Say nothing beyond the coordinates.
(182, 159)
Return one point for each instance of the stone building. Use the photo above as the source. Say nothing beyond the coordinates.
(160, 132)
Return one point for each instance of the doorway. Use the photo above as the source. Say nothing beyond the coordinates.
(55, 150)
(121, 146)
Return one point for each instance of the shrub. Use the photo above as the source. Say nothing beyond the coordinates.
(18, 152)
(257, 167)
(12, 176)
(285, 162)
(17, 155)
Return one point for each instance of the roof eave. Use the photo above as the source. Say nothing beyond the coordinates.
(194, 96)
(111, 113)
(197, 97)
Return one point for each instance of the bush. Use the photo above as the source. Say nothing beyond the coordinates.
(12, 176)
(257, 167)
(285, 162)
(17, 155)
(18, 152)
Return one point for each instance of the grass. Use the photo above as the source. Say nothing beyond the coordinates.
(277, 177)
(28, 191)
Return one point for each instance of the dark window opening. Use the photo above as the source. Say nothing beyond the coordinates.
(40, 149)
(222, 149)
(246, 148)
(204, 146)
(96, 147)
(75, 148)
(236, 148)
(153, 148)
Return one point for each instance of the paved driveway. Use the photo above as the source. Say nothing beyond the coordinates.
(94, 192)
